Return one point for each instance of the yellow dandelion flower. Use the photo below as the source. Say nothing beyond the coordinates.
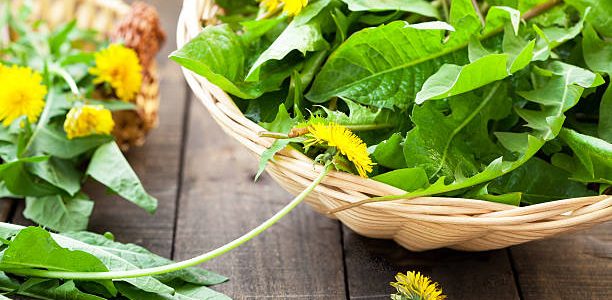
(294, 7)
(270, 5)
(345, 141)
(88, 120)
(413, 285)
(290, 7)
(119, 67)
(21, 94)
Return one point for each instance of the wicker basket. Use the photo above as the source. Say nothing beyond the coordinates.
(417, 224)
(116, 20)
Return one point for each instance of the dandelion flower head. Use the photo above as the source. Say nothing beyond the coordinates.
(21, 94)
(414, 286)
(119, 67)
(347, 143)
(87, 120)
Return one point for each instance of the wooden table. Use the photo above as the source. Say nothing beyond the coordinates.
(204, 182)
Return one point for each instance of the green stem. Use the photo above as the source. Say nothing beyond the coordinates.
(67, 77)
(274, 135)
(445, 9)
(312, 66)
(441, 189)
(301, 80)
(183, 264)
(539, 9)
(478, 12)
(333, 104)
(367, 127)
(44, 118)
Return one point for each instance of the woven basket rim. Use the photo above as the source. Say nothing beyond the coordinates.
(560, 216)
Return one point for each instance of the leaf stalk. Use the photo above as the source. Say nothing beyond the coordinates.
(44, 118)
(183, 264)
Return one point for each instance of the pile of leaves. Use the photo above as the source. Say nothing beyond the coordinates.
(41, 162)
(33, 247)
(38, 161)
(500, 100)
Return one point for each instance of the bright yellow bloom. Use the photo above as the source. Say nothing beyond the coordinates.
(87, 120)
(119, 67)
(294, 7)
(345, 141)
(290, 7)
(21, 94)
(270, 5)
(413, 285)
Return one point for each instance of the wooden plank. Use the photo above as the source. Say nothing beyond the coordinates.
(371, 264)
(571, 266)
(300, 257)
(157, 162)
(6, 207)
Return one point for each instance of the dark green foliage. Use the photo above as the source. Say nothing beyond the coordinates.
(466, 105)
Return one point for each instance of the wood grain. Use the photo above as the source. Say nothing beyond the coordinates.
(371, 264)
(571, 266)
(299, 257)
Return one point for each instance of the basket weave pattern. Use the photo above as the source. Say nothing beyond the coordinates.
(138, 28)
(416, 224)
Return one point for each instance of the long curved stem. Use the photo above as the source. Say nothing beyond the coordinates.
(183, 264)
